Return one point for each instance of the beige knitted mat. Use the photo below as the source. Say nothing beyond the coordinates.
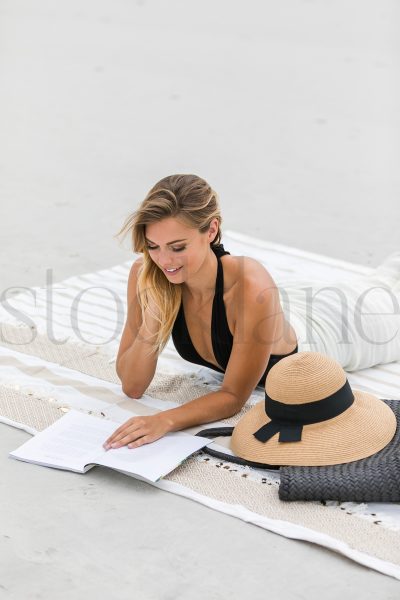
(224, 486)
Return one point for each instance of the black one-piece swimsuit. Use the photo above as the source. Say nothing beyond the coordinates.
(221, 336)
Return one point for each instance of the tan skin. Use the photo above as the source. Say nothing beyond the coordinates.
(254, 315)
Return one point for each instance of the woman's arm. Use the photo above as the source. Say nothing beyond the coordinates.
(134, 365)
(143, 430)
(208, 408)
(253, 339)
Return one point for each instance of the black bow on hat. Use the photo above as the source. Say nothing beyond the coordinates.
(288, 419)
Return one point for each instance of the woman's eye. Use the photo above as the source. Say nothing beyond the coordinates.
(174, 249)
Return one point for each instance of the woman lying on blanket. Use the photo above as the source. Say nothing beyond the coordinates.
(223, 311)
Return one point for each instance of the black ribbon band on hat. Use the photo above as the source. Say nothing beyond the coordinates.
(289, 419)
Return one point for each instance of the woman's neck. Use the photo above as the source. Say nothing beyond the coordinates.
(202, 288)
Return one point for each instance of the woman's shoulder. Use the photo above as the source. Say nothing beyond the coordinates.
(133, 278)
(242, 271)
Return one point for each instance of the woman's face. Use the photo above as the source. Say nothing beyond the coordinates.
(173, 245)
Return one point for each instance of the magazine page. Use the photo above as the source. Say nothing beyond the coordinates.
(153, 461)
(75, 442)
(71, 443)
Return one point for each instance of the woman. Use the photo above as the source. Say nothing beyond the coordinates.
(222, 311)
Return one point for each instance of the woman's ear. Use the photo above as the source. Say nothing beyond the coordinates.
(213, 230)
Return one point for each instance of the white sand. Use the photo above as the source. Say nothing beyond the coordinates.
(291, 111)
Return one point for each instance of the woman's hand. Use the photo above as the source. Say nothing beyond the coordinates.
(138, 431)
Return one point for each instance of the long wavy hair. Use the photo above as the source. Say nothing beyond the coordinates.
(190, 199)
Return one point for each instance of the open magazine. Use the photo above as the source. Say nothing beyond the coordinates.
(75, 443)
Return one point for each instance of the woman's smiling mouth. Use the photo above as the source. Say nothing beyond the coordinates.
(172, 272)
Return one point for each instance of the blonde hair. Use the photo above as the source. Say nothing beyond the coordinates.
(190, 199)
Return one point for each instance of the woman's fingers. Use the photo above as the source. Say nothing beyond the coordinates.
(117, 431)
(128, 430)
(146, 439)
(138, 431)
(130, 426)
(126, 439)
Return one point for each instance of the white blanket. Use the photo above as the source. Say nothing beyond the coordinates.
(90, 309)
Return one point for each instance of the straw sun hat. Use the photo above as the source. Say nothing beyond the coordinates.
(311, 416)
